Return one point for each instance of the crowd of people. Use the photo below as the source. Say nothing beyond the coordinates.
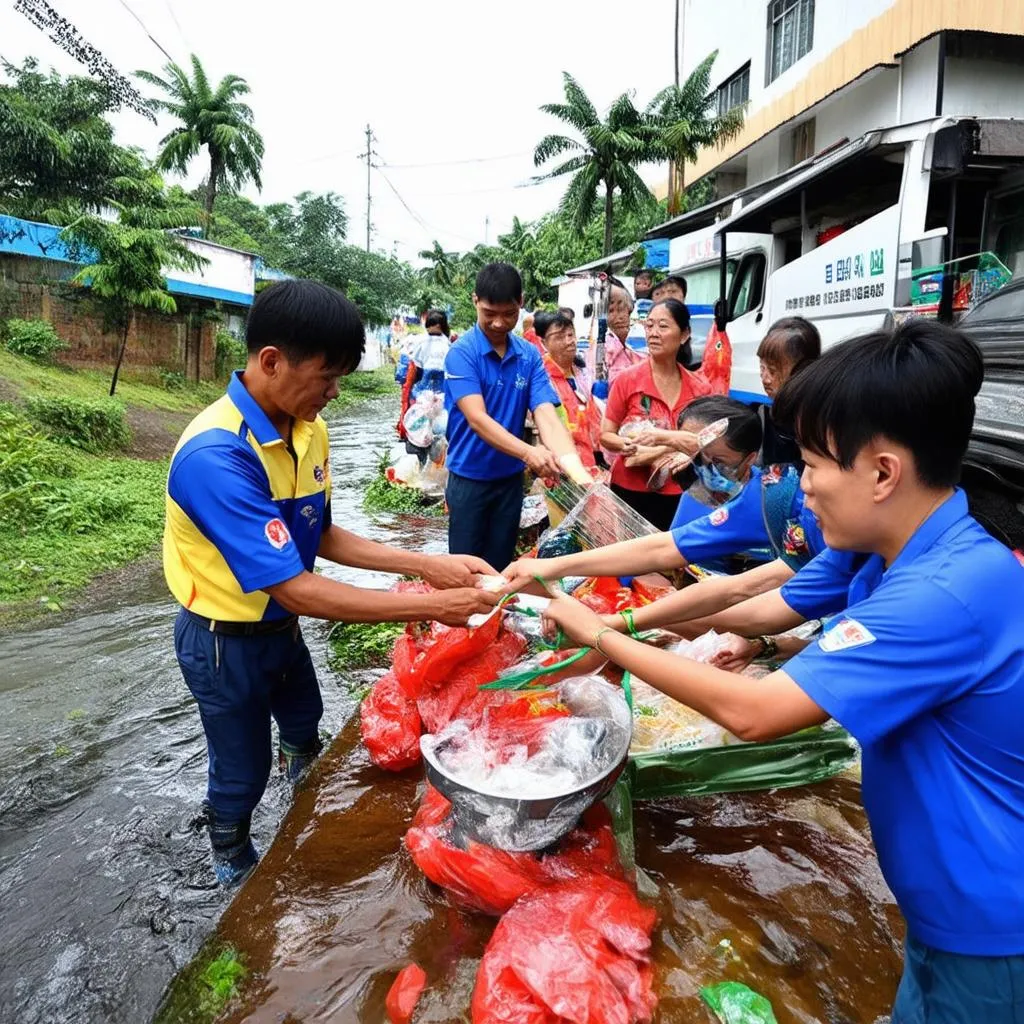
(838, 497)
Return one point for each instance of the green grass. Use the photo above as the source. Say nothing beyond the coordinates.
(29, 378)
(356, 645)
(382, 496)
(357, 388)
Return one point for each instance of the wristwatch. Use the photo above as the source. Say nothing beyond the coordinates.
(769, 647)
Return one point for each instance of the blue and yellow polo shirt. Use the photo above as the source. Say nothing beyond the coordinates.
(243, 511)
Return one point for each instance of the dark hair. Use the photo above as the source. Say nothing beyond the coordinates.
(306, 319)
(793, 340)
(745, 433)
(438, 318)
(679, 312)
(499, 282)
(914, 384)
(677, 279)
(567, 312)
(543, 322)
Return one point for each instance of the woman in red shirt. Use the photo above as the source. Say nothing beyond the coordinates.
(644, 407)
(570, 381)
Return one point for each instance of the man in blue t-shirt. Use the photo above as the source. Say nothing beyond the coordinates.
(924, 666)
(493, 378)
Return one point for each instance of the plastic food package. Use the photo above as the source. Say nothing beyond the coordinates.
(661, 723)
(600, 517)
(405, 470)
(537, 743)
(425, 419)
(390, 725)
(490, 880)
(578, 952)
(735, 1003)
(404, 993)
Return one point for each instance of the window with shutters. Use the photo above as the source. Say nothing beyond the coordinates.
(790, 34)
(734, 91)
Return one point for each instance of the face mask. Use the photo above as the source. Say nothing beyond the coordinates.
(716, 481)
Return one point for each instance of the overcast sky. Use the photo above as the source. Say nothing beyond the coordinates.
(452, 87)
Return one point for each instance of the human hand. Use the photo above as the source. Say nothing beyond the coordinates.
(683, 441)
(575, 620)
(524, 571)
(735, 654)
(542, 462)
(446, 571)
(454, 607)
(651, 437)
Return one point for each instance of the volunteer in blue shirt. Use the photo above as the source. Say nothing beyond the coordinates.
(925, 665)
(767, 513)
(493, 378)
(248, 513)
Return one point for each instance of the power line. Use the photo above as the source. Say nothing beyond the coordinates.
(142, 25)
(429, 228)
(177, 25)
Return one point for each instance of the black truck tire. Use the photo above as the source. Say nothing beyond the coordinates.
(999, 514)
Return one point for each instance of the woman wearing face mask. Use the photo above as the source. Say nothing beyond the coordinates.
(645, 404)
(572, 384)
(790, 344)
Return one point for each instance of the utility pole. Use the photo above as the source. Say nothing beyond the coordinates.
(369, 154)
(487, 229)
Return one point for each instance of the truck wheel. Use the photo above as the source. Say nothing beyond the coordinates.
(999, 515)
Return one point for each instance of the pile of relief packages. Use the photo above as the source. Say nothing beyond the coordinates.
(531, 765)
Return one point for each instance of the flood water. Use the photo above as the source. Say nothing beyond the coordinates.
(107, 890)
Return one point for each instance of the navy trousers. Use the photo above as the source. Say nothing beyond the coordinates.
(483, 517)
(239, 683)
(948, 988)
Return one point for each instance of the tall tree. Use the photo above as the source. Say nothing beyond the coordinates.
(56, 145)
(606, 153)
(128, 259)
(214, 118)
(442, 269)
(684, 119)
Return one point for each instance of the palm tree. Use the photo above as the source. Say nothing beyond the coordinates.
(608, 154)
(214, 118)
(442, 270)
(683, 120)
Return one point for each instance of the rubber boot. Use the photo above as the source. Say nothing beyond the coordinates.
(234, 855)
(295, 761)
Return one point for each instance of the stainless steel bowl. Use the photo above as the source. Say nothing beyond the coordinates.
(536, 822)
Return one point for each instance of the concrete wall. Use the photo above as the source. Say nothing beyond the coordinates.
(983, 88)
(38, 289)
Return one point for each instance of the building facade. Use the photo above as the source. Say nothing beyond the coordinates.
(812, 74)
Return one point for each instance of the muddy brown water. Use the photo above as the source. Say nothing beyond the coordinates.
(107, 891)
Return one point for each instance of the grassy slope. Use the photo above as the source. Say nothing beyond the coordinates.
(100, 512)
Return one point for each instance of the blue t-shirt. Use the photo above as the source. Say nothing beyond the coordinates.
(739, 525)
(926, 669)
(510, 387)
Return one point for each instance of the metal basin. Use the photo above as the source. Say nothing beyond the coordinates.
(519, 824)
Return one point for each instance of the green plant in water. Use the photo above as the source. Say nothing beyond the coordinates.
(61, 751)
(220, 979)
(355, 645)
(76, 715)
(735, 1003)
(382, 496)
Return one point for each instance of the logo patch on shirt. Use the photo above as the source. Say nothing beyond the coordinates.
(719, 516)
(318, 474)
(277, 533)
(845, 635)
(520, 382)
(309, 513)
(794, 540)
(772, 475)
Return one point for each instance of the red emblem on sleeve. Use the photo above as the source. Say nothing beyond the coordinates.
(277, 533)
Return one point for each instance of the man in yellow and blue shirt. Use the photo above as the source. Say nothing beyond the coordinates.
(248, 512)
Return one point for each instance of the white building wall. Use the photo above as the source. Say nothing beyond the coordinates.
(869, 103)
(228, 270)
(983, 88)
(920, 70)
(738, 30)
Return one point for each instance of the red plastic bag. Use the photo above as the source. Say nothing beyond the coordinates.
(524, 720)
(604, 595)
(578, 952)
(458, 698)
(455, 646)
(404, 993)
(491, 880)
(403, 664)
(716, 366)
(390, 726)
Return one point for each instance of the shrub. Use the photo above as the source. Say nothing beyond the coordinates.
(94, 426)
(34, 339)
(230, 353)
(172, 380)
